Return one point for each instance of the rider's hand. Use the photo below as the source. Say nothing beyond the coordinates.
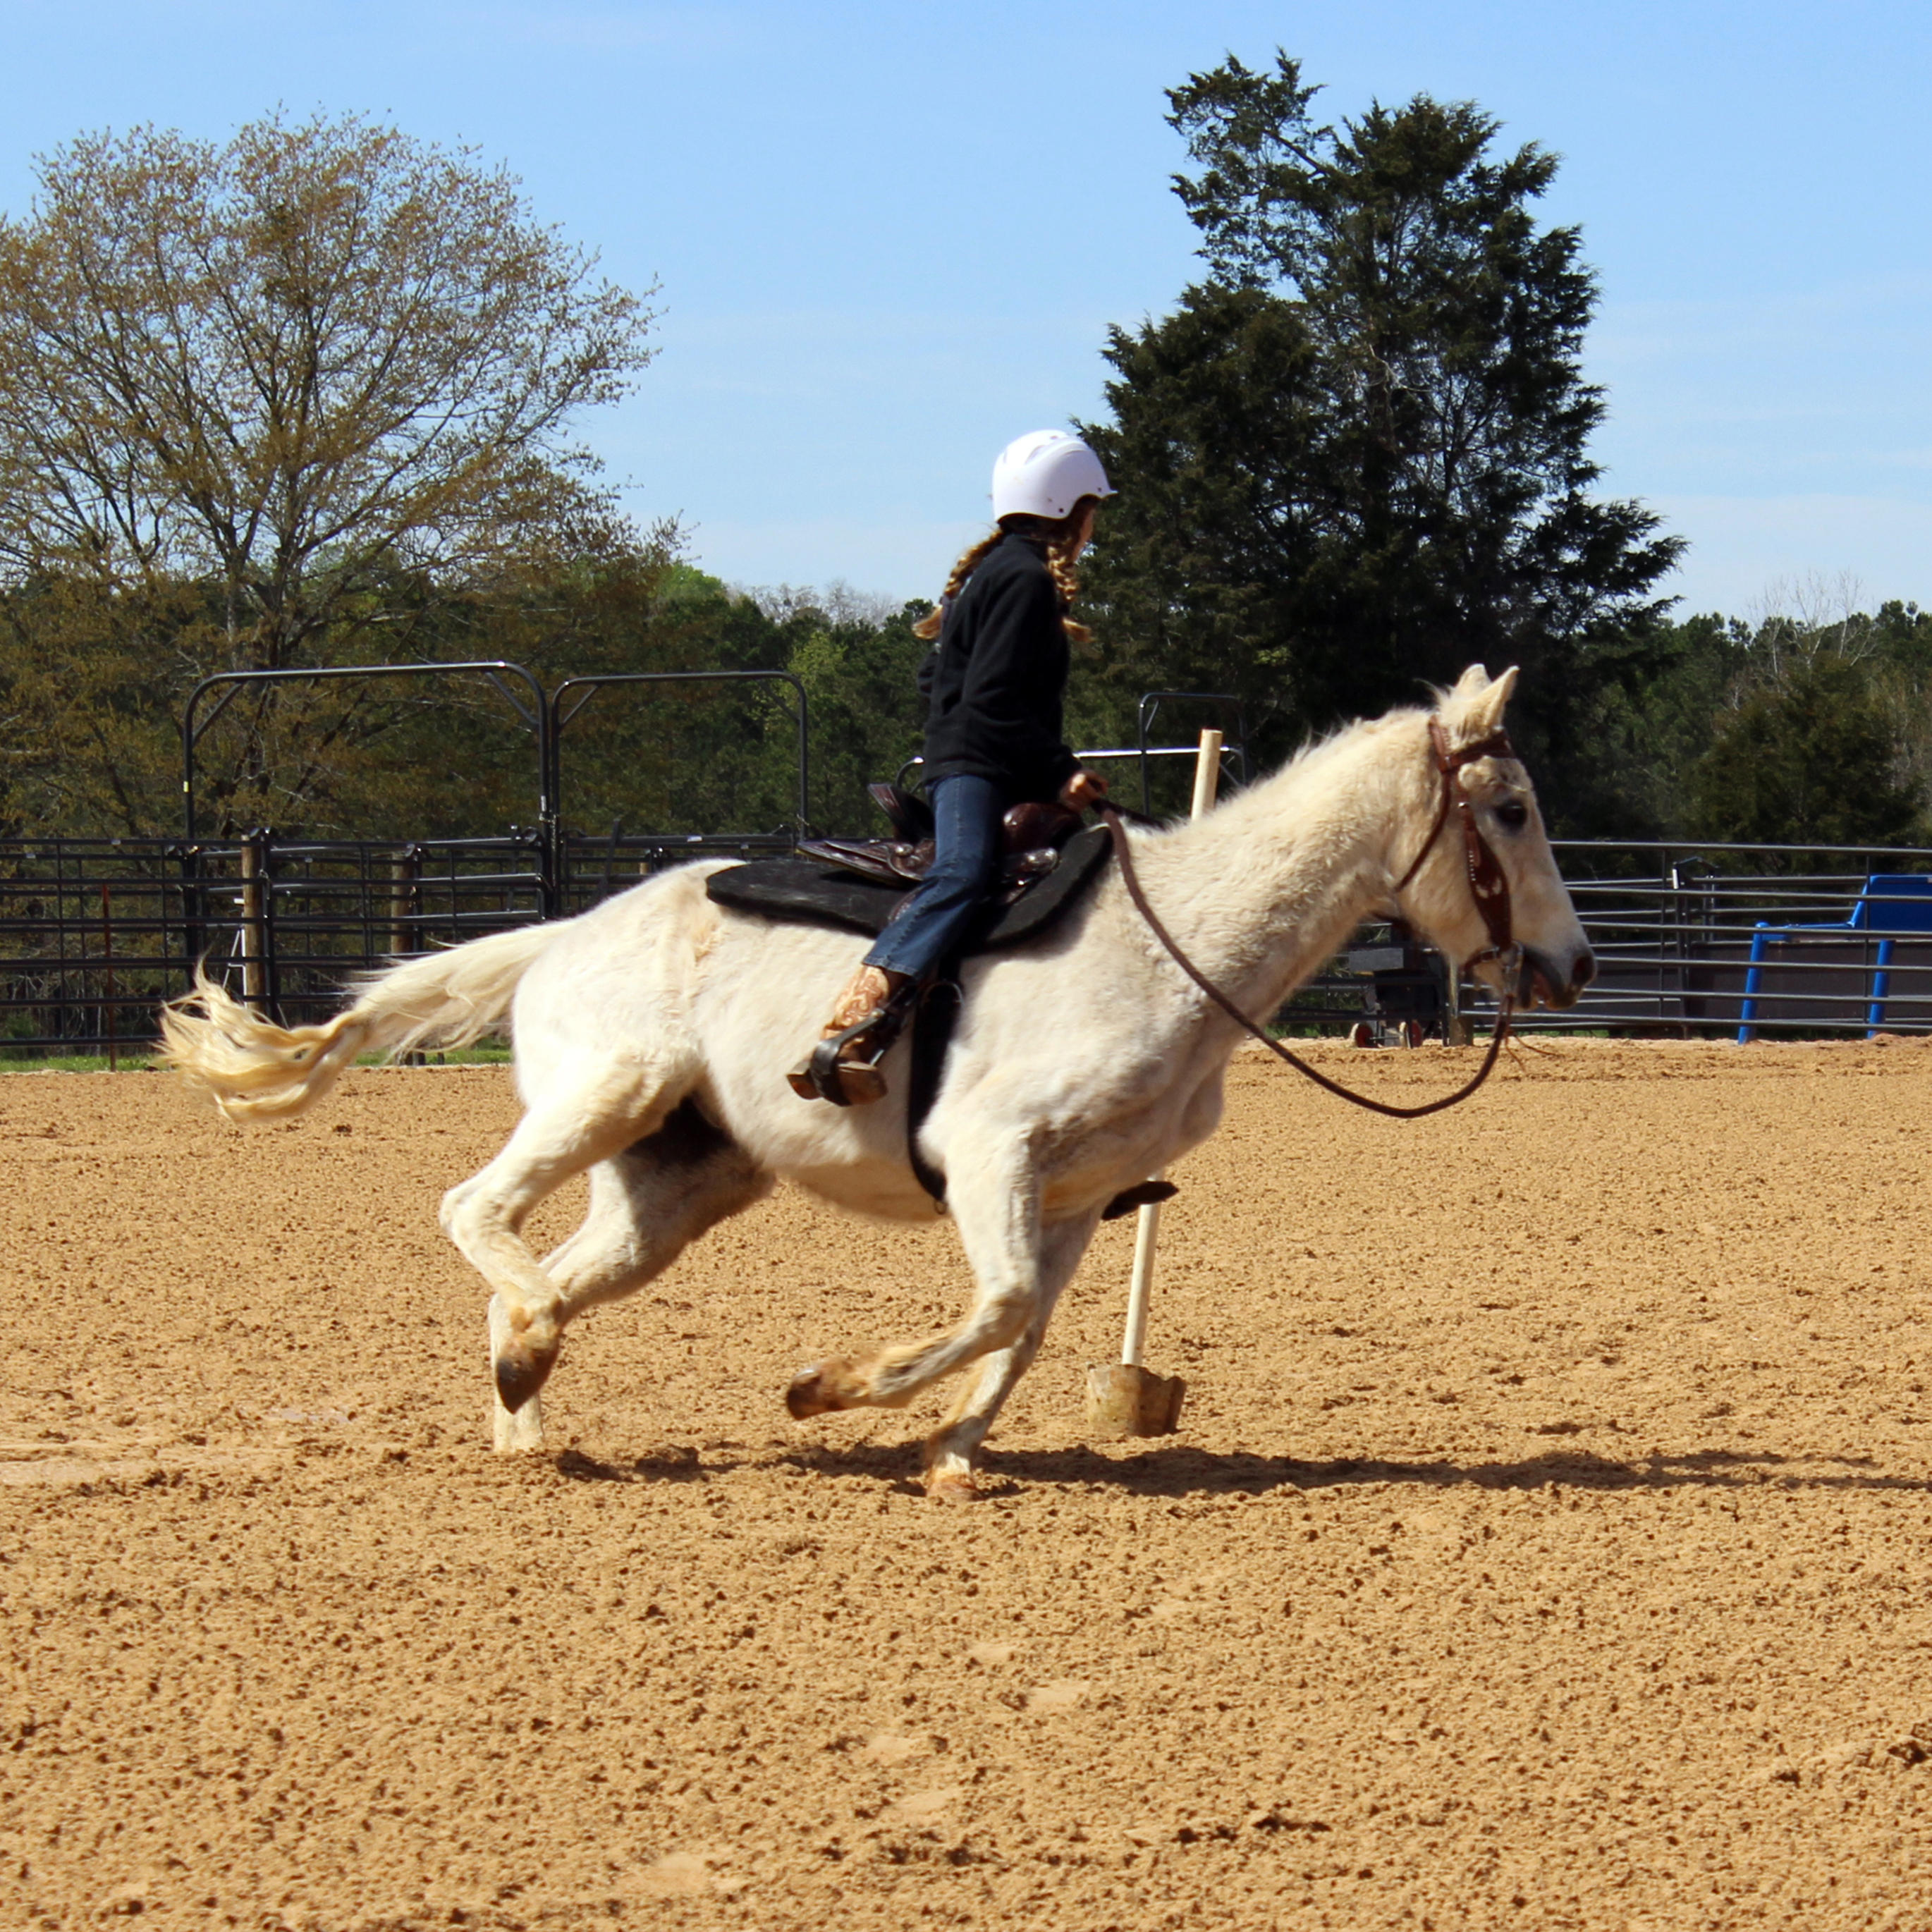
(1083, 789)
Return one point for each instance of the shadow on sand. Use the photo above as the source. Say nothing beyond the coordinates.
(1179, 1471)
(661, 1466)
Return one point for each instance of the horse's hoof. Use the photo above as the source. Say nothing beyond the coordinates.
(953, 1485)
(520, 1372)
(819, 1389)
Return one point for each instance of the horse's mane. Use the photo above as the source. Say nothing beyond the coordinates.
(1316, 749)
(1307, 766)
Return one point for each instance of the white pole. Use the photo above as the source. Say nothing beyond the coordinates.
(1206, 780)
(1146, 1233)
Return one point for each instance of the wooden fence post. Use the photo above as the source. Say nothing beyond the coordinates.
(107, 962)
(405, 873)
(1456, 1030)
(254, 920)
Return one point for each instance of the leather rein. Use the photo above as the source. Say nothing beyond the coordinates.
(1488, 886)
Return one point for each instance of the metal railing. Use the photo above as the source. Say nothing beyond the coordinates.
(95, 933)
(1221, 704)
(1674, 925)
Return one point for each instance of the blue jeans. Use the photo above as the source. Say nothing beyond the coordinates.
(941, 914)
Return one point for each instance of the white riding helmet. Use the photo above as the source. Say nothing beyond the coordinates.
(1045, 473)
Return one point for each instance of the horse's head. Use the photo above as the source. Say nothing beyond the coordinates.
(1484, 888)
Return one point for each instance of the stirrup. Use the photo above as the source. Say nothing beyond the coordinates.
(826, 1074)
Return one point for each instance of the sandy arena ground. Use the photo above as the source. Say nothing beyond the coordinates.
(1547, 1543)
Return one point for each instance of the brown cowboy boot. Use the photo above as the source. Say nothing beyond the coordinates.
(844, 1067)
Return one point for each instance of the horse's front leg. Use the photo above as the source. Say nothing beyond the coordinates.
(952, 1450)
(994, 1199)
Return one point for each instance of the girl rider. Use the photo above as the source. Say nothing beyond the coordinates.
(995, 683)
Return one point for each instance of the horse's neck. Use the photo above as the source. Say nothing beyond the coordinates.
(1263, 889)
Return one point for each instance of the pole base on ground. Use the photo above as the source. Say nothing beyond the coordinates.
(1124, 1401)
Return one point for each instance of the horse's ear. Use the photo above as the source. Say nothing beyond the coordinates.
(1475, 707)
(1485, 711)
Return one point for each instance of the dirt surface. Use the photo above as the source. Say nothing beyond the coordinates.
(1546, 1544)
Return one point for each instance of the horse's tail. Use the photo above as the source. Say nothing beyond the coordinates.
(255, 1070)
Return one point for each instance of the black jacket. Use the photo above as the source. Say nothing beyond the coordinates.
(996, 678)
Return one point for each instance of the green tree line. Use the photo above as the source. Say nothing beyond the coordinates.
(1355, 458)
(307, 400)
(310, 398)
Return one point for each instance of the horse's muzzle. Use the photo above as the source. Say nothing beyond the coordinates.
(1540, 981)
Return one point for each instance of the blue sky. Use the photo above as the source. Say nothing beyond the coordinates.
(889, 237)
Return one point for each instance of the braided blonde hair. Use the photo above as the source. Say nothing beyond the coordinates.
(1061, 536)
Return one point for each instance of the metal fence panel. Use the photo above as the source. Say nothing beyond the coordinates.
(95, 933)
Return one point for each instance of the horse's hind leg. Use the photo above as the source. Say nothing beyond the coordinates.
(647, 1205)
(578, 1125)
(510, 1429)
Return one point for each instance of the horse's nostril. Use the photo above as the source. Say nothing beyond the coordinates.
(1584, 971)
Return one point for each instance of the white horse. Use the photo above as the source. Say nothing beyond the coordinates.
(653, 1033)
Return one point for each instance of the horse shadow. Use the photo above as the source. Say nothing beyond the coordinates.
(662, 1465)
(1181, 1472)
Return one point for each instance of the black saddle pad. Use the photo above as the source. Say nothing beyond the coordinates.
(796, 889)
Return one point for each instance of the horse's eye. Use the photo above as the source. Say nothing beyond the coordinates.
(1513, 813)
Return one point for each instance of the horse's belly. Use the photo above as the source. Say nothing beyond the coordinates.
(876, 1190)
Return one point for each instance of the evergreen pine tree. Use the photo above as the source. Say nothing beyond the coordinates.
(1353, 459)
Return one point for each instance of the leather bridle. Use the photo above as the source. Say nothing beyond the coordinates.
(1488, 885)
